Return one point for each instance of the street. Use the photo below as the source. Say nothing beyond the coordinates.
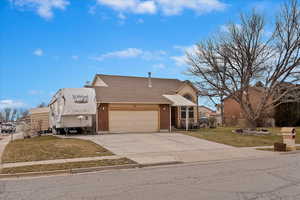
(260, 179)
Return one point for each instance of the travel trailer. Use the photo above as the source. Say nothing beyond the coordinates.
(73, 109)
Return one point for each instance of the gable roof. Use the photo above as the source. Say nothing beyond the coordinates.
(130, 89)
(206, 108)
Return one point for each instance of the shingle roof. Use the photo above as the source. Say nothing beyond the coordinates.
(129, 89)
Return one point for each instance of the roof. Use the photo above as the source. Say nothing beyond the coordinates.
(130, 89)
(39, 110)
(251, 88)
(207, 108)
(178, 100)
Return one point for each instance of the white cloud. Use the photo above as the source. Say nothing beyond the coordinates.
(140, 21)
(38, 52)
(184, 49)
(225, 28)
(159, 66)
(182, 59)
(167, 7)
(35, 92)
(132, 53)
(9, 103)
(153, 55)
(75, 57)
(43, 8)
(121, 16)
(133, 6)
(179, 60)
(92, 10)
(127, 53)
(175, 7)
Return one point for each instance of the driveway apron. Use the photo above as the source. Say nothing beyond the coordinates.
(153, 148)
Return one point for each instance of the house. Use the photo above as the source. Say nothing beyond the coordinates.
(288, 113)
(143, 104)
(233, 114)
(39, 119)
(205, 112)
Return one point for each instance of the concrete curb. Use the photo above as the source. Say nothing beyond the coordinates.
(290, 152)
(84, 170)
(32, 174)
(93, 169)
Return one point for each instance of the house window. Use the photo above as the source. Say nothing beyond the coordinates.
(183, 112)
(188, 97)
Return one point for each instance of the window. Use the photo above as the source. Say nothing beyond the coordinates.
(183, 112)
(188, 96)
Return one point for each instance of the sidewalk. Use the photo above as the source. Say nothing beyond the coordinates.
(5, 140)
(58, 161)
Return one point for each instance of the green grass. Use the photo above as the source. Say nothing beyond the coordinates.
(49, 148)
(66, 166)
(224, 135)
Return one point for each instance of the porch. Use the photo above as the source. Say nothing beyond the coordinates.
(183, 112)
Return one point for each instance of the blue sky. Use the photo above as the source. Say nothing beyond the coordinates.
(51, 44)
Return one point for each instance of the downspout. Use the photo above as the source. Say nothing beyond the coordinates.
(97, 117)
(170, 110)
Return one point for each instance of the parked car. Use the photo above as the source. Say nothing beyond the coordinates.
(203, 122)
(8, 128)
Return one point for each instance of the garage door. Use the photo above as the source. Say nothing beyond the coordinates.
(133, 121)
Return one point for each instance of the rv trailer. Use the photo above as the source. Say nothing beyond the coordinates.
(73, 109)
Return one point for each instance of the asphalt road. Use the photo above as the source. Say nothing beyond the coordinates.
(270, 178)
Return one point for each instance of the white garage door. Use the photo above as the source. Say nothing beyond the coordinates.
(133, 121)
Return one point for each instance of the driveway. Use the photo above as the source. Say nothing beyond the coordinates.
(169, 147)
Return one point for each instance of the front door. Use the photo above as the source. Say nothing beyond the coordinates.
(103, 117)
(173, 116)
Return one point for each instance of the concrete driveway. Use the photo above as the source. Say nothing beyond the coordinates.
(169, 147)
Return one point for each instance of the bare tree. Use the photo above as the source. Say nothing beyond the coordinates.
(42, 105)
(14, 114)
(7, 114)
(23, 112)
(1, 117)
(231, 62)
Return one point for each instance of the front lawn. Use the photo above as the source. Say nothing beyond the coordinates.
(225, 135)
(50, 148)
(64, 166)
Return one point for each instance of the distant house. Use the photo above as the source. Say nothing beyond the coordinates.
(288, 114)
(205, 112)
(143, 104)
(39, 119)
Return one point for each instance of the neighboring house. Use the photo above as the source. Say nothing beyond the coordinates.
(233, 114)
(218, 115)
(205, 112)
(143, 104)
(39, 119)
(288, 113)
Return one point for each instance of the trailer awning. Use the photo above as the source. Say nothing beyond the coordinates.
(178, 100)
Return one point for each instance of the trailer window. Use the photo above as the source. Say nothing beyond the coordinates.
(80, 98)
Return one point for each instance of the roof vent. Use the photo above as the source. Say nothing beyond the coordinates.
(149, 80)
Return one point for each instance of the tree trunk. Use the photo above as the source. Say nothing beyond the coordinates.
(222, 112)
(251, 123)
